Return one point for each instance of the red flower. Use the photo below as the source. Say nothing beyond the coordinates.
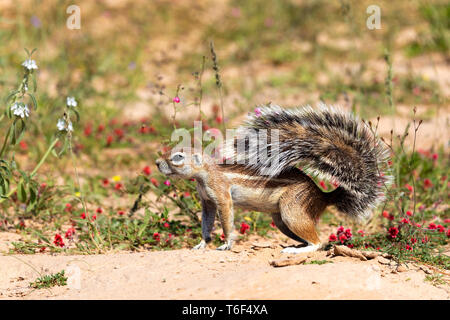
(350, 245)
(186, 194)
(362, 233)
(323, 185)
(244, 227)
(348, 233)
(69, 233)
(222, 237)
(87, 130)
(342, 238)
(154, 182)
(100, 128)
(332, 237)
(427, 183)
(413, 240)
(393, 232)
(425, 239)
(408, 247)
(94, 217)
(448, 233)
(219, 119)
(121, 213)
(68, 207)
(432, 226)
(109, 140)
(23, 145)
(156, 236)
(58, 240)
(405, 221)
(105, 182)
(440, 228)
(272, 224)
(147, 170)
(83, 215)
(409, 213)
(434, 156)
(119, 133)
(118, 186)
(166, 225)
(409, 187)
(387, 215)
(99, 210)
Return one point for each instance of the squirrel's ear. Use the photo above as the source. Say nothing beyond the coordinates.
(197, 159)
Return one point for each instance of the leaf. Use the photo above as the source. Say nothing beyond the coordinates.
(21, 193)
(33, 195)
(33, 99)
(41, 236)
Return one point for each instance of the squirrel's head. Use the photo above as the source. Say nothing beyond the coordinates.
(180, 164)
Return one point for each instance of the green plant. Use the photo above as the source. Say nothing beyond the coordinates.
(49, 281)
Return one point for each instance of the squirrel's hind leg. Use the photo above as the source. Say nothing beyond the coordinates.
(299, 211)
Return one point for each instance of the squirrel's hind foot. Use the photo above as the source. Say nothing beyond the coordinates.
(308, 248)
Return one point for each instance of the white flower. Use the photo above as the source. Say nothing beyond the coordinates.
(30, 64)
(20, 110)
(63, 125)
(71, 102)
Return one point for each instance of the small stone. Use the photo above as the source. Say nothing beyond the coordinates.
(402, 268)
(383, 260)
(376, 267)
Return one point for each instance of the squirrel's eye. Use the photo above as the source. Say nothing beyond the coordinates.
(177, 158)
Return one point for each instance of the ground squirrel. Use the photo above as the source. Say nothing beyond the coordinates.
(328, 142)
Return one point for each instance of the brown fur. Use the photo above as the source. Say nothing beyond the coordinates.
(221, 187)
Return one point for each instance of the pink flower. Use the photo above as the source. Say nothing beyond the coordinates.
(176, 100)
(362, 233)
(166, 225)
(167, 183)
(434, 156)
(257, 112)
(409, 213)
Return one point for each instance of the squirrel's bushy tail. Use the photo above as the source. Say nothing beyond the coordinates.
(333, 144)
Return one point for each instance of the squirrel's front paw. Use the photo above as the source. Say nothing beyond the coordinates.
(201, 245)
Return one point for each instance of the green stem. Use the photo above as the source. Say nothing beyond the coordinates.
(50, 148)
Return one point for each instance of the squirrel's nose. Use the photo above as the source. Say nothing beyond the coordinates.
(158, 161)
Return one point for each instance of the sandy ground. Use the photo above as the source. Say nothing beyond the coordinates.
(244, 273)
